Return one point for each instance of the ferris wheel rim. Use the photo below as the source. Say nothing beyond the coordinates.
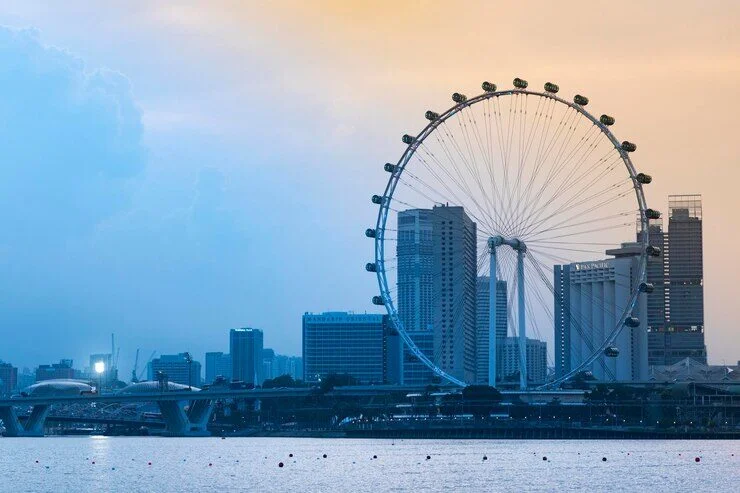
(410, 151)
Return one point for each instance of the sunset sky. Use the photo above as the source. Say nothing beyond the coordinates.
(172, 170)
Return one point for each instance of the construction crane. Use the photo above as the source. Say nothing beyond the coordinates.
(141, 373)
(134, 376)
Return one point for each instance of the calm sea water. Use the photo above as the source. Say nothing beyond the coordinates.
(93, 464)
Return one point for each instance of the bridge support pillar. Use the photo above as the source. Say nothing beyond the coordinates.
(190, 423)
(32, 427)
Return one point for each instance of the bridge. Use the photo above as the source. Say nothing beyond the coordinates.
(185, 412)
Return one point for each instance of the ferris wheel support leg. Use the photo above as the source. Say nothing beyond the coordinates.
(492, 296)
(522, 325)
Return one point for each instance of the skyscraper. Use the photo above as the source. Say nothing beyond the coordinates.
(483, 291)
(676, 307)
(179, 368)
(218, 364)
(590, 298)
(456, 262)
(245, 347)
(347, 343)
(510, 360)
(415, 256)
(8, 378)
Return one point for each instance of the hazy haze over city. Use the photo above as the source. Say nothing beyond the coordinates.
(171, 171)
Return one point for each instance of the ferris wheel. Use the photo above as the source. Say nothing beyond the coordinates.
(514, 215)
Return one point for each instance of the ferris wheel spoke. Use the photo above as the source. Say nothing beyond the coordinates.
(462, 183)
(565, 122)
(476, 174)
(560, 192)
(491, 202)
(534, 233)
(563, 226)
(587, 231)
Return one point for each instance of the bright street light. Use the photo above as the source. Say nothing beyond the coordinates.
(99, 367)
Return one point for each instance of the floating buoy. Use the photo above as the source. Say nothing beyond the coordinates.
(290, 455)
(37, 462)
(429, 457)
(93, 462)
(223, 438)
(375, 456)
(603, 459)
(544, 457)
(280, 464)
(113, 468)
(697, 459)
(485, 457)
(149, 463)
(210, 464)
(324, 456)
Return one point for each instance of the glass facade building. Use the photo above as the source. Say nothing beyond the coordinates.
(456, 263)
(218, 364)
(348, 343)
(245, 347)
(676, 307)
(483, 304)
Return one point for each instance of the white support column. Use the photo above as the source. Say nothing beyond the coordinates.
(492, 319)
(522, 324)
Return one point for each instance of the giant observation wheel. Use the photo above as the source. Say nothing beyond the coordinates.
(493, 225)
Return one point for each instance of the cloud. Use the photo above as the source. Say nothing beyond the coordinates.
(71, 140)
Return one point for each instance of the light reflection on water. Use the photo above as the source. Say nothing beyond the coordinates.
(251, 464)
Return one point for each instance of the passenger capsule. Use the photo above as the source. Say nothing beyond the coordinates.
(653, 251)
(643, 178)
(629, 146)
(390, 168)
(377, 199)
(611, 352)
(550, 87)
(378, 300)
(407, 139)
(370, 267)
(431, 115)
(652, 214)
(370, 233)
(459, 98)
(488, 86)
(607, 120)
(520, 83)
(632, 322)
(646, 287)
(580, 100)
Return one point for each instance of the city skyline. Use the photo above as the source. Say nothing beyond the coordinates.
(141, 281)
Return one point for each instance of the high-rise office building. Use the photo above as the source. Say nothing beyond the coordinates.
(268, 363)
(348, 343)
(483, 305)
(676, 306)
(218, 364)
(510, 361)
(415, 260)
(455, 268)
(8, 378)
(288, 365)
(61, 370)
(246, 346)
(590, 298)
(179, 368)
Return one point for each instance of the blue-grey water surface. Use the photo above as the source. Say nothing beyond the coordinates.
(93, 464)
